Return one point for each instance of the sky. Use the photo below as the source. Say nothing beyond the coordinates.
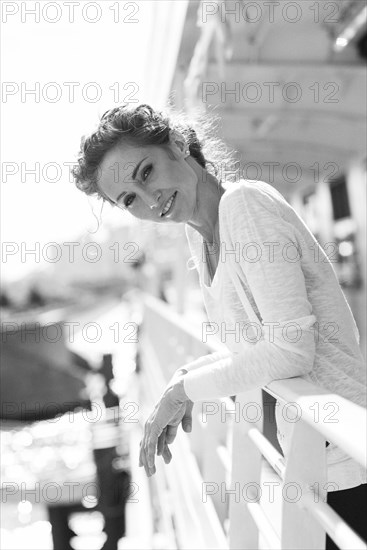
(79, 69)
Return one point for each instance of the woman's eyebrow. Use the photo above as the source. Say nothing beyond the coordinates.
(133, 175)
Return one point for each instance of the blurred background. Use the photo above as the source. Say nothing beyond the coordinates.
(79, 282)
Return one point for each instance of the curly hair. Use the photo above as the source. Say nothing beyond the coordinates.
(144, 126)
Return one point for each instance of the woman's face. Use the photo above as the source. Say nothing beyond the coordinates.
(144, 179)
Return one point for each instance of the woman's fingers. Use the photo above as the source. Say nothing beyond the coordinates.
(171, 434)
(147, 444)
(151, 445)
(162, 425)
(147, 458)
(187, 418)
(167, 455)
(161, 442)
(142, 458)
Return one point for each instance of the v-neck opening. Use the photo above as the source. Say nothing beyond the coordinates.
(206, 274)
(198, 244)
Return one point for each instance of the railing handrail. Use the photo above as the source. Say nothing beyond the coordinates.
(299, 391)
(178, 320)
(340, 430)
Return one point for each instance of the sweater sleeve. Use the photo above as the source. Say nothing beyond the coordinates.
(251, 222)
(206, 360)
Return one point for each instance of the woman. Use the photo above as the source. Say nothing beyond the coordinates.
(260, 268)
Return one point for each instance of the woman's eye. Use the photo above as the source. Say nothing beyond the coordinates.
(148, 169)
(127, 203)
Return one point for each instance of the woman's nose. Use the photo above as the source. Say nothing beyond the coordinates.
(151, 199)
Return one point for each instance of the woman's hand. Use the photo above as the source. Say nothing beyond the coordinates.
(161, 426)
(184, 415)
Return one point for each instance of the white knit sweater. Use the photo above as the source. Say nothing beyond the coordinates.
(308, 328)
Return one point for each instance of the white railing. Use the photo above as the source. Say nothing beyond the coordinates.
(238, 479)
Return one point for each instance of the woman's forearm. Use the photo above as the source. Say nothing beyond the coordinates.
(204, 361)
(253, 367)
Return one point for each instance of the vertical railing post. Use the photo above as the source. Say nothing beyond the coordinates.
(213, 469)
(246, 471)
(305, 472)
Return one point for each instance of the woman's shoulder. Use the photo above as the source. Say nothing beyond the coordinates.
(251, 193)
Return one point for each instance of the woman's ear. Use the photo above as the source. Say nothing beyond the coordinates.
(177, 140)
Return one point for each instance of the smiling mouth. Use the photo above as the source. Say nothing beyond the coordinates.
(169, 205)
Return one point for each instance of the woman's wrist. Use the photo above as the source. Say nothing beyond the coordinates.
(180, 390)
(176, 385)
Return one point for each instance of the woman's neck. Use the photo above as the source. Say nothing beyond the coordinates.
(206, 221)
